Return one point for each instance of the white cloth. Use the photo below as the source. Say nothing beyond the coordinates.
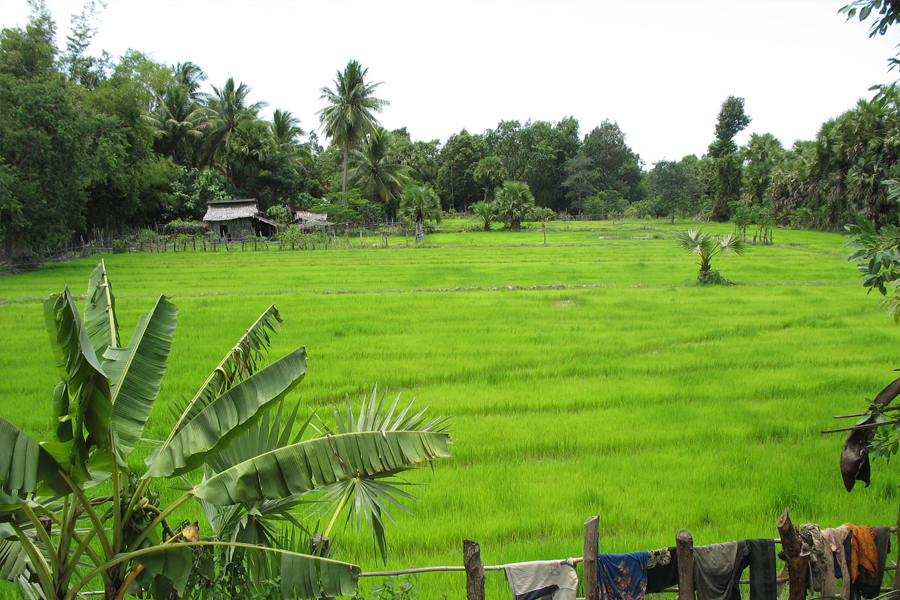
(530, 576)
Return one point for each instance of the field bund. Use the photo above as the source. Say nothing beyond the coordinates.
(588, 376)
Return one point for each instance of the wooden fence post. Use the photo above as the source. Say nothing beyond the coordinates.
(797, 564)
(474, 570)
(589, 554)
(684, 547)
(895, 587)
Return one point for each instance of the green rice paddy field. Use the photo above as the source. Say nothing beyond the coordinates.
(588, 376)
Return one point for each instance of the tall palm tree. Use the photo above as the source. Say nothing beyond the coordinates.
(349, 117)
(376, 169)
(190, 76)
(226, 110)
(420, 202)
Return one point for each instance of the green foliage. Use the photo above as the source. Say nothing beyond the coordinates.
(878, 253)
(676, 186)
(489, 173)
(456, 175)
(607, 204)
(617, 166)
(535, 153)
(399, 587)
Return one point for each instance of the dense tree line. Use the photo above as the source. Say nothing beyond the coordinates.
(96, 142)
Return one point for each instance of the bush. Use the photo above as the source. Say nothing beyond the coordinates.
(120, 246)
(713, 277)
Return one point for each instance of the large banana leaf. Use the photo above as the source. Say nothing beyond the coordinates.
(227, 417)
(312, 577)
(319, 462)
(302, 576)
(100, 312)
(25, 467)
(86, 401)
(136, 373)
(240, 363)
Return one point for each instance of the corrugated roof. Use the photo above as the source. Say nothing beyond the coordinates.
(229, 210)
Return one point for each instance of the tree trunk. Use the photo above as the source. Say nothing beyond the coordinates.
(346, 163)
(420, 230)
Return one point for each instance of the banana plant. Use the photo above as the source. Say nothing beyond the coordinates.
(56, 538)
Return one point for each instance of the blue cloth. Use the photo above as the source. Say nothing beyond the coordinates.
(622, 576)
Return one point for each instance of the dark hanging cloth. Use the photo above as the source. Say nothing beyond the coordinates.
(763, 584)
(855, 453)
(867, 585)
(622, 576)
(718, 568)
(848, 553)
(662, 570)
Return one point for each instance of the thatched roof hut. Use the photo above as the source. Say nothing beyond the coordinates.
(238, 219)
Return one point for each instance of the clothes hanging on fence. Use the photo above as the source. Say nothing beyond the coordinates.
(869, 585)
(662, 569)
(761, 558)
(865, 553)
(622, 576)
(718, 568)
(835, 538)
(821, 564)
(556, 579)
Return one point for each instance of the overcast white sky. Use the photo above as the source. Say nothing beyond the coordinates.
(660, 68)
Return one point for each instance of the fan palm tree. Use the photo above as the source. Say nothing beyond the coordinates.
(376, 168)
(514, 203)
(349, 117)
(420, 202)
(485, 211)
(706, 246)
(100, 409)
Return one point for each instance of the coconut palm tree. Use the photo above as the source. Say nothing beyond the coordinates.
(176, 120)
(286, 129)
(190, 76)
(226, 109)
(514, 203)
(420, 202)
(707, 246)
(349, 117)
(376, 168)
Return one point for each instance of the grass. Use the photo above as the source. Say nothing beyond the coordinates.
(586, 377)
